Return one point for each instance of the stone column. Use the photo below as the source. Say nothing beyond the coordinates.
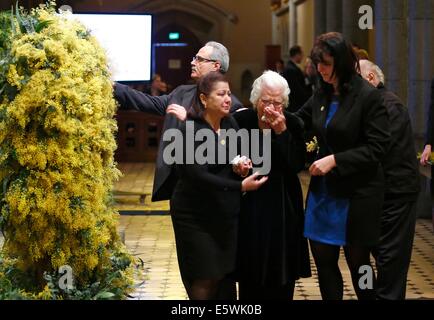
(397, 42)
(350, 22)
(392, 43)
(421, 66)
(404, 50)
(381, 34)
(334, 15)
(320, 17)
(275, 34)
(292, 24)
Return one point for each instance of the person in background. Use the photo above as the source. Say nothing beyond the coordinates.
(346, 190)
(279, 66)
(426, 157)
(158, 87)
(310, 76)
(398, 220)
(272, 250)
(206, 199)
(311, 81)
(426, 154)
(295, 78)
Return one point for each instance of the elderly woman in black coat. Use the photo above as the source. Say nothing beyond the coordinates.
(272, 250)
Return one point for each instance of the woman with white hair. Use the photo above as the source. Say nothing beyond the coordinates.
(272, 250)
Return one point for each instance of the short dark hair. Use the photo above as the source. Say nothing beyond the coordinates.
(205, 86)
(295, 50)
(346, 63)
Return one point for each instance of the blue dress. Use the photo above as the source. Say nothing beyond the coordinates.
(326, 215)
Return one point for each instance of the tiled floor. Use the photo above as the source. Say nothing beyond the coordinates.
(150, 237)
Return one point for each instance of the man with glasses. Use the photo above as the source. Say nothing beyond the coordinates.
(211, 57)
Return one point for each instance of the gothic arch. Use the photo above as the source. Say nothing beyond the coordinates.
(205, 19)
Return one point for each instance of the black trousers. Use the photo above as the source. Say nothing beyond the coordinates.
(393, 253)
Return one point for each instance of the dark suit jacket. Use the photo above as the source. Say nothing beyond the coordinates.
(299, 91)
(358, 135)
(165, 177)
(401, 169)
(429, 136)
(211, 190)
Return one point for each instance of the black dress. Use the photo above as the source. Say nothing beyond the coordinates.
(272, 249)
(204, 207)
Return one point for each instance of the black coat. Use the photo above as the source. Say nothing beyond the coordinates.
(165, 177)
(272, 249)
(359, 136)
(204, 206)
(211, 188)
(400, 165)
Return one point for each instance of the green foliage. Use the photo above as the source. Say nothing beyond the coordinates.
(5, 30)
(56, 161)
(107, 285)
(5, 35)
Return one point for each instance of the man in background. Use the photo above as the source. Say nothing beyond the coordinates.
(299, 91)
(401, 173)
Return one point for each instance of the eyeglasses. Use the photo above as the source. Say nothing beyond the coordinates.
(276, 104)
(202, 59)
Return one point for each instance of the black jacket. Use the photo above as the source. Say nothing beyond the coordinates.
(400, 163)
(358, 135)
(212, 189)
(165, 177)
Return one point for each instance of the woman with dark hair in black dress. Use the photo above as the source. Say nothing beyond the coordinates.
(206, 200)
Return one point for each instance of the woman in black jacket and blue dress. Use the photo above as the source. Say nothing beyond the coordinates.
(345, 196)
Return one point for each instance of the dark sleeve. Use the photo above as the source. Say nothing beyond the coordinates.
(375, 135)
(236, 104)
(205, 180)
(429, 137)
(129, 98)
(202, 177)
(398, 119)
(305, 114)
(291, 143)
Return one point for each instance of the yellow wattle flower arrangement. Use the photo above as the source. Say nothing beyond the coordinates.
(56, 160)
